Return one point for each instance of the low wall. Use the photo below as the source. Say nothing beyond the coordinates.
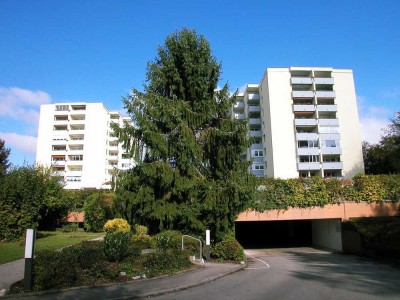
(343, 211)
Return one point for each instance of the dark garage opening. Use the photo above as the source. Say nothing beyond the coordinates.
(274, 234)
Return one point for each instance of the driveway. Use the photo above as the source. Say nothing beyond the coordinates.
(302, 273)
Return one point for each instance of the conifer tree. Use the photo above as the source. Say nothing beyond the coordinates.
(190, 176)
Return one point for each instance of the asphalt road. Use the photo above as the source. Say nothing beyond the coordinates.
(302, 274)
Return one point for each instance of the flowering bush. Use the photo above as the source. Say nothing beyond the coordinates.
(141, 230)
(117, 225)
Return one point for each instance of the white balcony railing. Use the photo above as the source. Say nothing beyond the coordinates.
(332, 108)
(255, 121)
(328, 122)
(301, 80)
(254, 108)
(298, 107)
(255, 133)
(307, 151)
(303, 94)
(331, 150)
(308, 166)
(325, 94)
(329, 81)
(253, 96)
(239, 116)
(306, 136)
(305, 122)
(332, 165)
(239, 105)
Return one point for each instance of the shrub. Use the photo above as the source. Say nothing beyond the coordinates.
(70, 228)
(89, 253)
(162, 242)
(166, 262)
(116, 245)
(97, 210)
(102, 269)
(117, 225)
(141, 230)
(228, 249)
(175, 238)
(54, 269)
(143, 241)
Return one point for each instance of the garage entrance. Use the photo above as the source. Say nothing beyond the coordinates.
(274, 234)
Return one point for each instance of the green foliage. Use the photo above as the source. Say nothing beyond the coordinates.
(384, 157)
(70, 228)
(192, 177)
(97, 210)
(284, 193)
(228, 249)
(116, 245)
(141, 230)
(166, 262)
(89, 253)
(117, 225)
(27, 195)
(54, 269)
(175, 238)
(379, 235)
(4, 163)
(162, 242)
(143, 241)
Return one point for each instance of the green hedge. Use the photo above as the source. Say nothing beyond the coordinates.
(284, 193)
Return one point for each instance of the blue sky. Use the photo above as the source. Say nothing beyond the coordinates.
(96, 51)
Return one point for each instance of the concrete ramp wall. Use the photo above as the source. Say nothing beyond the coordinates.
(327, 233)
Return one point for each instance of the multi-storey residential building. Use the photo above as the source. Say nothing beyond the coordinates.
(76, 140)
(303, 122)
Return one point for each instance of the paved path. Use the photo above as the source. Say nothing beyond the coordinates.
(9, 273)
(302, 274)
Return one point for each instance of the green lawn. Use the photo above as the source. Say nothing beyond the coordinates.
(47, 240)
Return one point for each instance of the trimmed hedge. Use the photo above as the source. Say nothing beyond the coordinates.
(307, 192)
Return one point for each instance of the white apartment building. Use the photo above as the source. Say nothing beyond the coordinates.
(303, 122)
(76, 140)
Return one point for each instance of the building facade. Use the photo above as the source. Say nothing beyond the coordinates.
(303, 122)
(77, 142)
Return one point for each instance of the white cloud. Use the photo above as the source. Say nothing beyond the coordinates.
(21, 104)
(373, 119)
(24, 143)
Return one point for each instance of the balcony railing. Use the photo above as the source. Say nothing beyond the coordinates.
(305, 122)
(327, 107)
(255, 133)
(332, 165)
(328, 122)
(239, 105)
(299, 107)
(303, 94)
(331, 150)
(257, 173)
(306, 136)
(329, 81)
(301, 80)
(308, 166)
(325, 94)
(329, 136)
(254, 108)
(255, 121)
(307, 151)
(253, 96)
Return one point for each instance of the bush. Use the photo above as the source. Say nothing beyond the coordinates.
(143, 241)
(141, 230)
(73, 227)
(117, 225)
(89, 253)
(97, 210)
(102, 269)
(166, 262)
(55, 269)
(228, 249)
(116, 245)
(162, 242)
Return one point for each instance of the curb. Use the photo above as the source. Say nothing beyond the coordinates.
(144, 295)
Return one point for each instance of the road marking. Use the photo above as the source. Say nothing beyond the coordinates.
(266, 265)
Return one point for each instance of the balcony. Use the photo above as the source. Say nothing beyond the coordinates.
(239, 105)
(255, 133)
(329, 81)
(239, 116)
(300, 80)
(329, 136)
(305, 122)
(254, 109)
(256, 147)
(332, 165)
(77, 122)
(257, 159)
(307, 151)
(303, 94)
(255, 121)
(306, 136)
(304, 166)
(298, 107)
(331, 150)
(325, 94)
(253, 97)
(328, 122)
(258, 173)
(328, 108)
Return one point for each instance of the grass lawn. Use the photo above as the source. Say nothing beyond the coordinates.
(47, 240)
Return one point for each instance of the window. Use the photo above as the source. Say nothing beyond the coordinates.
(309, 158)
(330, 143)
(307, 144)
(257, 153)
(76, 157)
(59, 148)
(61, 107)
(258, 167)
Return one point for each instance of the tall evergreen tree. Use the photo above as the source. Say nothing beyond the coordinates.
(4, 153)
(191, 176)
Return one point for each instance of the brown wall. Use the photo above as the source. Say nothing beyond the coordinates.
(343, 211)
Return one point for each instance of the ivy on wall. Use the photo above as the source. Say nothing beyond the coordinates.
(285, 193)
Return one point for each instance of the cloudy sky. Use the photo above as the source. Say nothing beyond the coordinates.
(96, 51)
